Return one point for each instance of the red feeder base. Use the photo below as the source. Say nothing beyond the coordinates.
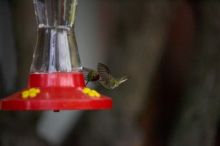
(56, 99)
(60, 94)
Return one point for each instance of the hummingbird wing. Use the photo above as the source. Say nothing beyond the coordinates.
(105, 75)
(103, 68)
(103, 71)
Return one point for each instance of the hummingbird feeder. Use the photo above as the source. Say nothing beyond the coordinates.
(56, 81)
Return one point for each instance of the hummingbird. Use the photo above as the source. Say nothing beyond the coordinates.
(103, 76)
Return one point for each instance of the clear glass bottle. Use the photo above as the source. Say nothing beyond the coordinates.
(56, 48)
(56, 56)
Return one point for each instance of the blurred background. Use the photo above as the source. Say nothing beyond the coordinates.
(170, 50)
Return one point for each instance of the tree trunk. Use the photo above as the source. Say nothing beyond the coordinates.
(200, 104)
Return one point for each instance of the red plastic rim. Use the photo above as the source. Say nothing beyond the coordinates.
(59, 79)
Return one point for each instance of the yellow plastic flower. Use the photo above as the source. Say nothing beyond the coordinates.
(91, 93)
(31, 93)
(25, 94)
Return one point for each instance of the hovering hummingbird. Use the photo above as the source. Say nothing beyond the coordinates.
(103, 76)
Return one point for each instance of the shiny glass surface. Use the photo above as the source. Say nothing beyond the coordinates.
(56, 48)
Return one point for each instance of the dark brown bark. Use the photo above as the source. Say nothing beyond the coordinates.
(198, 119)
(168, 82)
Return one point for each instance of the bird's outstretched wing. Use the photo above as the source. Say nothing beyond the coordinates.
(103, 68)
(104, 72)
